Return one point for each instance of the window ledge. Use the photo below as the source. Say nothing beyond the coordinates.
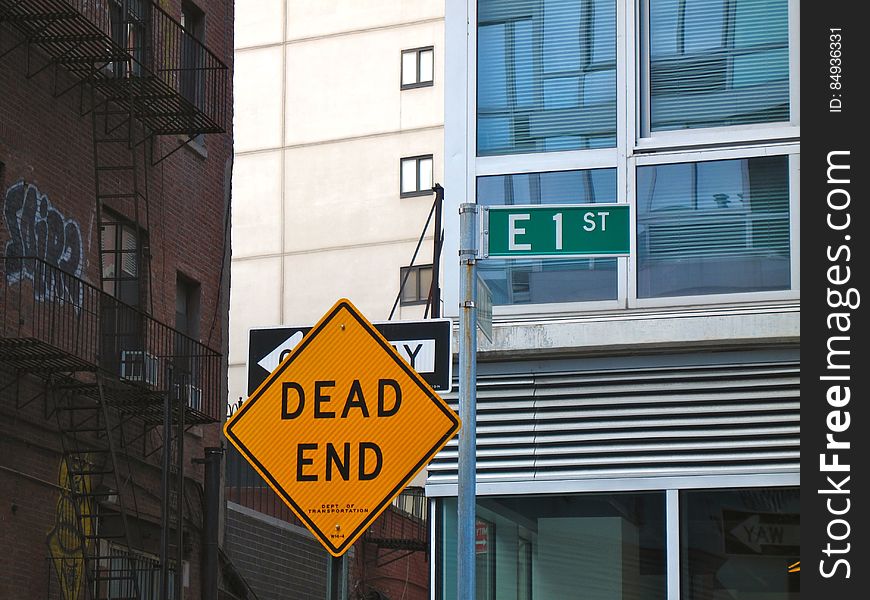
(417, 85)
(415, 194)
(718, 137)
(674, 328)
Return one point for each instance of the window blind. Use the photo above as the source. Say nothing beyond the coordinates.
(717, 62)
(713, 227)
(546, 75)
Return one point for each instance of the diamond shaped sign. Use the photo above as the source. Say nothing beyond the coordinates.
(341, 426)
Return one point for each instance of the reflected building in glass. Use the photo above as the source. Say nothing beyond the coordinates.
(638, 418)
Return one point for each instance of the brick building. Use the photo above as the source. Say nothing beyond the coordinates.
(115, 162)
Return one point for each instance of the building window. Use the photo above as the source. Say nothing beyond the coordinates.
(546, 75)
(418, 67)
(416, 281)
(129, 28)
(717, 62)
(416, 176)
(187, 294)
(740, 543)
(530, 281)
(193, 54)
(120, 259)
(484, 559)
(713, 227)
(186, 364)
(705, 149)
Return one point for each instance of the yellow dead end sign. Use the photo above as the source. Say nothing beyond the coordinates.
(341, 426)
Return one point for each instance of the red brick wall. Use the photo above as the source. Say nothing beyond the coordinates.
(45, 142)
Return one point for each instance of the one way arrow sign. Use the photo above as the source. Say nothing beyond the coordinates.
(424, 344)
(775, 534)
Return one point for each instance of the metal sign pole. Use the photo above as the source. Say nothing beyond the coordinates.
(466, 500)
(336, 569)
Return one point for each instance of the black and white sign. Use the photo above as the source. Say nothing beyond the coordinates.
(771, 534)
(424, 344)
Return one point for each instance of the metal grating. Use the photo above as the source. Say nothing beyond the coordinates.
(52, 322)
(134, 54)
(633, 422)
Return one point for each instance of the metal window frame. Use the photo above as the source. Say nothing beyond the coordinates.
(422, 296)
(646, 140)
(416, 191)
(671, 518)
(792, 151)
(120, 224)
(417, 83)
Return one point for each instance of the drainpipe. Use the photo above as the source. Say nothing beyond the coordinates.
(212, 462)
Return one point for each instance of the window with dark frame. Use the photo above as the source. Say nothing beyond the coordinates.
(416, 176)
(187, 294)
(193, 59)
(122, 347)
(129, 27)
(418, 67)
(416, 282)
(185, 363)
(121, 245)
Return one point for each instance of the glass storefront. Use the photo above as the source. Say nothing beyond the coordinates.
(734, 544)
(591, 546)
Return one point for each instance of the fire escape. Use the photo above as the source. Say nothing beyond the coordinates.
(114, 379)
(400, 531)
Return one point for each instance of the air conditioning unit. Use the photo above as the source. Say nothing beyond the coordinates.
(191, 395)
(137, 365)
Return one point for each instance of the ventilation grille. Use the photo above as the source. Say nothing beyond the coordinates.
(665, 421)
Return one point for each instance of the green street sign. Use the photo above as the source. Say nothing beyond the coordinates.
(556, 231)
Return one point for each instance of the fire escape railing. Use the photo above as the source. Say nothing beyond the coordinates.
(403, 525)
(54, 322)
(134, 53)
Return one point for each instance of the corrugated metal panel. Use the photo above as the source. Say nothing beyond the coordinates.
(708, 419)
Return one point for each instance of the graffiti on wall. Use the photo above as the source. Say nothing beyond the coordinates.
(39, 230)
(73, 522)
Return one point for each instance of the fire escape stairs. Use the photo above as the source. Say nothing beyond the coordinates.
(139, 75)
(99, 473)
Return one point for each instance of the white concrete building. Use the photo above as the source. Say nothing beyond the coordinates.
(339, 140)
(330, 97)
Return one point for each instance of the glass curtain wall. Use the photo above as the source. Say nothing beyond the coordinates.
(709, 222)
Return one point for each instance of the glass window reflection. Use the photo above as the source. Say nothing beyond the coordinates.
(546, 75)
(739, 544)
(715, 63)
(713, 227)
(549, 547)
